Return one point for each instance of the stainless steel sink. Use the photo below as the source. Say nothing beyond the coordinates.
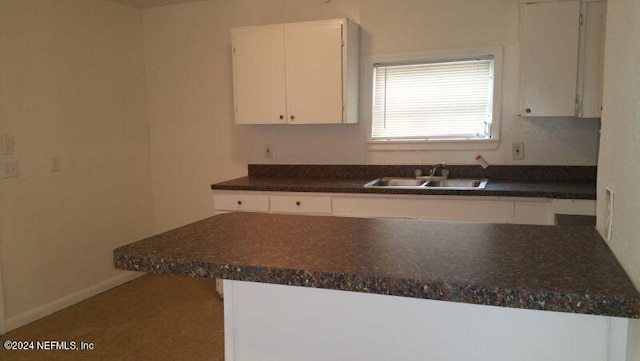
(413, 183)
(457, 183)
(396, 182)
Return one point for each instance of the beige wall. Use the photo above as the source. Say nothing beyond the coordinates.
(193, 140)
(618, 167)
(71, 85)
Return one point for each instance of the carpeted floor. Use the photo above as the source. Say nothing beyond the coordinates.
(155, 317)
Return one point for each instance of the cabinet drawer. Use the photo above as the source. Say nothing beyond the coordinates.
(241, 202)
(301, 204)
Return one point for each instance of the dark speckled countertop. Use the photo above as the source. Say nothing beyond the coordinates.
(567, 269)
(504, 181)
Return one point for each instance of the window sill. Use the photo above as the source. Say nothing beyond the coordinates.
(374, 145)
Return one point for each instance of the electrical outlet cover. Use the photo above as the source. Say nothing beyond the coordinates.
(268, 151)
(517, 151)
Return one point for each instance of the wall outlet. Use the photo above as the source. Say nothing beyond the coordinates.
(268, 151)
(9, 168)
(517, 151)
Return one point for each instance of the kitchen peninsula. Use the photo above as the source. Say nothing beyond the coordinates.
(304, 287)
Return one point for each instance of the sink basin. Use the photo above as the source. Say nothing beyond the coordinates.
(396, 182)
(413, 183)
(457, 183)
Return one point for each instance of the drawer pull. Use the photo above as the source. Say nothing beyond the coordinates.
(298, 203)
(239, 203)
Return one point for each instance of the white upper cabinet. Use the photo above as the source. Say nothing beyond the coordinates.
(300, 73)
(561, 59)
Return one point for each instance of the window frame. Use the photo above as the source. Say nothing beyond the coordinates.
(427, 144)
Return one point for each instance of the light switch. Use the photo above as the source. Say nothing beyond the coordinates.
(7, 144)
(55, 164)
(9, 168)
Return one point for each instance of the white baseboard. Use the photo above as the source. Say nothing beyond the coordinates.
(66, 301)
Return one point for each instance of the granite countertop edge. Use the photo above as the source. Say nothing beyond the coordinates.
(544, 300)
(494, 188)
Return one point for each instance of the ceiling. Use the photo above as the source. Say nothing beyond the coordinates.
(146, 4)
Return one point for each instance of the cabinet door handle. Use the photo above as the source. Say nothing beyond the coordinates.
(298, 203)
(239, 203)
(528, 110)
(281, 117)
(292, 117)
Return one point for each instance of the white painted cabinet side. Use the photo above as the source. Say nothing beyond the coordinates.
(277, 322)
(592, 57)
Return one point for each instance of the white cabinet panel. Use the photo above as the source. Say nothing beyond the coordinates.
(561, 58)
(580, 207)
(550, 39)
(274, 322)
(449, 209)
(592, 56)
(259, 75)
(534, 212)
(241, 202)
(300, 204)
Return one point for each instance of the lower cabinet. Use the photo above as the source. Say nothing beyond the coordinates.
(444, 208)
(425, 207)
(251, 201)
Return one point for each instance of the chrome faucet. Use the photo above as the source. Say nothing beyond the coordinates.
(435, 167)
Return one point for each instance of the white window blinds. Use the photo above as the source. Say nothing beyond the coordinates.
(433, 100)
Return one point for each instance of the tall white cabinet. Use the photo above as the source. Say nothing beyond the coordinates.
(561, 58)
(298, 73)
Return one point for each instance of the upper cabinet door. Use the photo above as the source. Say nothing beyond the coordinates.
(550, 42)
(592, 55)
(259, 75)
(314, 73)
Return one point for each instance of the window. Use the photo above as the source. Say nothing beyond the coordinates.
(437, 100)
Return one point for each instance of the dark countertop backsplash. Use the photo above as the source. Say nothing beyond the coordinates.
(494, 172)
